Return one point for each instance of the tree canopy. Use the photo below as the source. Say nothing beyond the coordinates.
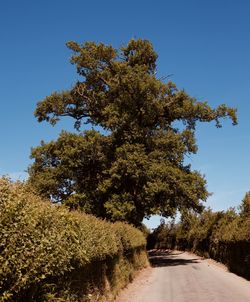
(135, 166)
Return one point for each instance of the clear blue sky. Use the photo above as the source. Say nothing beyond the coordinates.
(204, 44)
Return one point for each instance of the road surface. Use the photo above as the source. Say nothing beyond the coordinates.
(183, 277)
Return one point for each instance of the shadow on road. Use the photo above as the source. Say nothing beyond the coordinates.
(161, 258)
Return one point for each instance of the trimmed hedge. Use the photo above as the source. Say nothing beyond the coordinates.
(50, 254)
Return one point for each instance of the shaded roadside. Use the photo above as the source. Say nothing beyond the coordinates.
(161, 258)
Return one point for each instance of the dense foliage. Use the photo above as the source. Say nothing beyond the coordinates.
(135, 166)
(42, 245)
(209, 226)
(224, 236)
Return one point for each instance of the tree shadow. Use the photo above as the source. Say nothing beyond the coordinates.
(162, 258)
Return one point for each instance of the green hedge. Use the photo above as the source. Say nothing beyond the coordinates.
(42, 246)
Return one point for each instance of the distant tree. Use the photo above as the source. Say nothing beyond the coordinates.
(135, 167)
(245, 205)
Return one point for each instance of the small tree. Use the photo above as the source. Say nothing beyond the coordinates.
(135, 168)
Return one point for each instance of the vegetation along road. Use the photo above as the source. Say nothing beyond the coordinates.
(182, 277)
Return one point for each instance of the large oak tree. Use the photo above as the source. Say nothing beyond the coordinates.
(135, 167)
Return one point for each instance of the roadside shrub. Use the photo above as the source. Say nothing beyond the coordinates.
(44, 248)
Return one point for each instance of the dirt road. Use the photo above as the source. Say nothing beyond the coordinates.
(182, 277)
